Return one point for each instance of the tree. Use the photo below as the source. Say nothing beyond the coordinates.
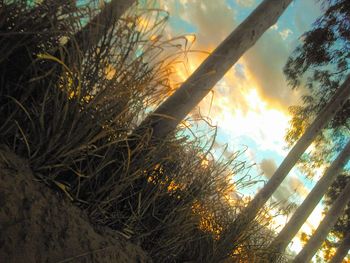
(308, 251)
(304, 210)
(96, 28)
(342, 250)
(171, 112)
(342, 226)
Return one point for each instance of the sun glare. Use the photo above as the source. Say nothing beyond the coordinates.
(264, 124)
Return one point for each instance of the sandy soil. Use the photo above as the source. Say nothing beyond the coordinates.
(38, 225)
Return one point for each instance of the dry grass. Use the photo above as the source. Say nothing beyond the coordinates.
(71, 115)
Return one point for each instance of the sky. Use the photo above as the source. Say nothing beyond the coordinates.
(250, 104)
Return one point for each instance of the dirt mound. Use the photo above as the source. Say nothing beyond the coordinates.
(38, 225)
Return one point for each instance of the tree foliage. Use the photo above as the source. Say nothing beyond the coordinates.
(321, 63)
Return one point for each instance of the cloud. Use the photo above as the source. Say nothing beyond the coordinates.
(238, 109)
(291, 186)
(245, 3)
(214, 20)
(298, 186)
(268, 167)
(274, 27)
(292, 190)
(285, 33)
(265, 62)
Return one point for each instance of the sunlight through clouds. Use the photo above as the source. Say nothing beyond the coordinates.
(238, 109)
